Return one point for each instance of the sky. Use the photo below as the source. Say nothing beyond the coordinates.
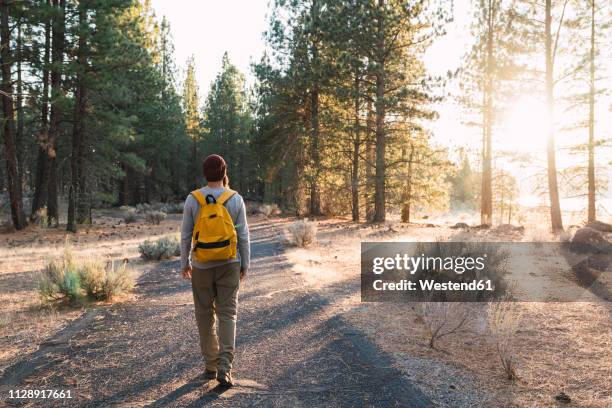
(208, 28)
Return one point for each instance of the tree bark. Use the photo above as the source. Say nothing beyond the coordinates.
(315, 195)
(407, 205)
(370, 158)
(42, 164)
(77, 212)
(591, 147)
(486, 205)
(379, 194)
(12, 163)
(20, 123)
(553, 188)
(356, 151)
(57, 56)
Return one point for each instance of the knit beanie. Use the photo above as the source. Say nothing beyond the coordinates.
(214, 168)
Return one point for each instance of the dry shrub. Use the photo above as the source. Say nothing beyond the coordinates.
(155, 217)
(444, 319)
(538, 236)
(104, 282)
(269, 209)
(302, 233)
(69, 280)
(173, 208)
(163, 248)
(503, 320)
(40, 218)
(130, 216)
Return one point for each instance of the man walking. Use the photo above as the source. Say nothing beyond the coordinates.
(215, 255)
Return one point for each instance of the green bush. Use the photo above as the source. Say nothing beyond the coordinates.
(163, 248)
(60, 280)
(155, 217)
(173, 208)
(130, 217)
(67, 280)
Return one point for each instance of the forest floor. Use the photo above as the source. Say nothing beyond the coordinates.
(304, 336)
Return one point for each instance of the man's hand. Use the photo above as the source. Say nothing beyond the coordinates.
(243, 273)
(186, 272)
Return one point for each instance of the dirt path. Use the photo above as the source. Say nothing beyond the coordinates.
(292, 349)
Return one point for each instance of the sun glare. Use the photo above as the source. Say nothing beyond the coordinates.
(524, 127)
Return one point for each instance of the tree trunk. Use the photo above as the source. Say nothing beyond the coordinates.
(194, 161)
(12, 164)
(57, 55)
(407, 205)
(356, 151)
(77, 212)
(379, 194)
(370, 158)
(553, 188)
(42, 164)
(315, 194)
(591, 170)
(21, 145)
(486, 205)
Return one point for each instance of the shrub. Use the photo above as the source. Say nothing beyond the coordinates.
(102, 282)
(503, 321)
(302, 233)
(40, 218)
(444, 318)
(68, 280)
(163, 248)
(130, 217)
(60, 280)
(155, 217)
(269, 209)
(173, 208)
(495, 270)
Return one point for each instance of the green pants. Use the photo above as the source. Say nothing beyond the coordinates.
(215, 295)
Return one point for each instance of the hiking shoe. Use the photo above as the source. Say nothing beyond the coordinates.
(210, 375)
(225, 379)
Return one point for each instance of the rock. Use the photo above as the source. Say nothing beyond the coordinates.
(587, 239)
(460, 225)
(509, 228)
(587, 234)
(483, 226)
(599, 226)
(563, 397)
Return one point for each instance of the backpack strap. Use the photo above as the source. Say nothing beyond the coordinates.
(226, 195)
(197, 194)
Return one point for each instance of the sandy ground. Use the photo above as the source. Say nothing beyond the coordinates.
(24, 321)
(558, 347)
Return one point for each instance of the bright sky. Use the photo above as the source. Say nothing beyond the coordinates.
(208, 28)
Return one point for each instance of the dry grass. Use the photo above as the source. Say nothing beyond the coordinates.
(24, 322)
(547, 347)
(301, 233)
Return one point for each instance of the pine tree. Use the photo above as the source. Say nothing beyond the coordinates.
(12, 165)
(191, 109)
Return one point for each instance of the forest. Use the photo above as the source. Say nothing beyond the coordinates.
(96, 113)
(355, 130)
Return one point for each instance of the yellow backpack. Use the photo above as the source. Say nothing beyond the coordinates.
(214, 236)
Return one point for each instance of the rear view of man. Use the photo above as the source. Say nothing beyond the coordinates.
(215, 255)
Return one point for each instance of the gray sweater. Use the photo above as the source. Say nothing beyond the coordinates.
(235, 206)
